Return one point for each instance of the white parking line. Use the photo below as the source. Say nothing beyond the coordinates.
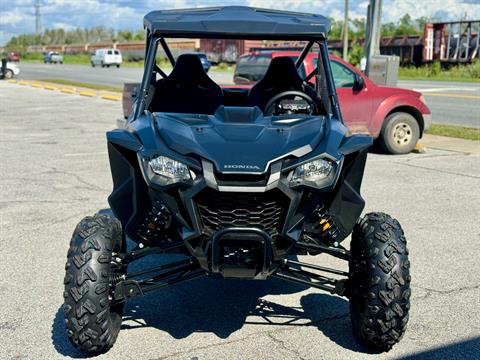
(86, 154)
(437, 89)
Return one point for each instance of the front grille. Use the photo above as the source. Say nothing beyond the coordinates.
(226, 209)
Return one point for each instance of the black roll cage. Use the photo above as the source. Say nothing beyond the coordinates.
(325, 85)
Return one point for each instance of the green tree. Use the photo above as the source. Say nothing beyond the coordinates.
(125, 35)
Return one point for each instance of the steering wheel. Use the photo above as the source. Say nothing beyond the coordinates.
(272, 105)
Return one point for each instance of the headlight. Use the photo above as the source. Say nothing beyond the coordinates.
(318, 173)
(165, 171)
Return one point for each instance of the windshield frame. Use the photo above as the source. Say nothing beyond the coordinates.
(325, 85)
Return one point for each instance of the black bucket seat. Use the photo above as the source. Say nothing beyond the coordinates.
(187, 89)
(281, 75)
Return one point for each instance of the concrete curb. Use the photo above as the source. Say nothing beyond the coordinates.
(111, 97)
(50, 87)
(87, 93)
(67, 90)
(470, 147)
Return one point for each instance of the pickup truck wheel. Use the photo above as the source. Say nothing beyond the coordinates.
(93, 65)
(400, 133)
(8, 74)
(92, 322)
(118, 65)
(380, 281)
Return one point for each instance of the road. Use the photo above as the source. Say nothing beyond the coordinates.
(450, 102)
(54, 171)
(455, 103)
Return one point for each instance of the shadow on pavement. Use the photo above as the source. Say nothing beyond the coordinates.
(331, 315)
(467, 349)
(60, 340)
(222, 307)
(209, 305)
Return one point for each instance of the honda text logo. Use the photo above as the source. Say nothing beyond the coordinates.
(241, 167)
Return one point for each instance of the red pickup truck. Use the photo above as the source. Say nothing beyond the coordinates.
(396, 117)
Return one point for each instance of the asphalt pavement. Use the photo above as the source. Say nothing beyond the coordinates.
(54, 171)
(450, 102)
(455, 103)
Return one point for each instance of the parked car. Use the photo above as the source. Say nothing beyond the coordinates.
(106, 58)
(53, 57)
(13, 56)
(396, 117)
(8, 70)
(235, 183)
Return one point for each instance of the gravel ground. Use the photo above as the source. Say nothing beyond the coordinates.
(54, 170)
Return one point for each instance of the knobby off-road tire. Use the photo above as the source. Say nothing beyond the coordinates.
(380, 281)
(91, 322)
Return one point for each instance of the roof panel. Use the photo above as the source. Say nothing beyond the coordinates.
(237, 22)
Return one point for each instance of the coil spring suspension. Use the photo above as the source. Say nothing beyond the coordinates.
(152, 229)
(325, 225)
(115, 278)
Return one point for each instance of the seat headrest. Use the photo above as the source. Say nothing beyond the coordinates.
(188, 69)
(281, 70)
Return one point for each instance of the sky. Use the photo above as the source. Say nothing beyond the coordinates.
(17, 16)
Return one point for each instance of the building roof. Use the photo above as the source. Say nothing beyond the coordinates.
(237, 22)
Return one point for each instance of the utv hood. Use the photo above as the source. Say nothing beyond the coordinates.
(238, 139)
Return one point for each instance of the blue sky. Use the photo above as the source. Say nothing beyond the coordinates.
(17, 16)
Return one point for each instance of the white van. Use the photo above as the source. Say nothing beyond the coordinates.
(106, 57)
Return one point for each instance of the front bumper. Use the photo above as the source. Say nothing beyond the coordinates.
(427, 121)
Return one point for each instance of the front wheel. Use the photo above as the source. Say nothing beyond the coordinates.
(380, 281)
(400, 133)
(92, 321)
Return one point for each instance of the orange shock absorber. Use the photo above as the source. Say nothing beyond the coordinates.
(327, 225)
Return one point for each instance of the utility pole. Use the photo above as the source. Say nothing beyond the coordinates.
(37, 6)
(345, 33)
(372, 34)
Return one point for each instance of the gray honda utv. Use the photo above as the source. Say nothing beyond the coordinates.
(239, 181)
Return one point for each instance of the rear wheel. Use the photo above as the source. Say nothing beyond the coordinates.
(380, 281)
(91, 321)
(400, 133)
(8, 74)
(93, 64)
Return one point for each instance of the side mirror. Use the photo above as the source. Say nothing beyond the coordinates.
(359, 83)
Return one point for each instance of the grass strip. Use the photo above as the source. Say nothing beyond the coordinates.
(455, 131)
